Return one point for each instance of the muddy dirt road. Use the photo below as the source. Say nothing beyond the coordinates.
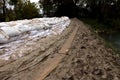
(77, 54)
(87, 59)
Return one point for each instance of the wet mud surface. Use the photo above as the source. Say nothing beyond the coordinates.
(88, 59)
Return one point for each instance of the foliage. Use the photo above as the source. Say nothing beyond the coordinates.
(10, 15)
(105, 11)
(63, 7)
(3, 9)
(26, 10)
(29, 10)
(23, 9)
(100, 9)
(13, 2)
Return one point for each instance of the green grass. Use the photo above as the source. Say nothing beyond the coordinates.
(100, 26)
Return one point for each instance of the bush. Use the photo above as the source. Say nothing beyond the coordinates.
(29, 11)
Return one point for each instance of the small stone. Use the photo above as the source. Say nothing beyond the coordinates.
(104, 76)
(71, 78)
(97, 72)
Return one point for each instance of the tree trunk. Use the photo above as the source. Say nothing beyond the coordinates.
(4, 10)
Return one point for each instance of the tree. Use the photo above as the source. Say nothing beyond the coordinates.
(24, 9)
(47, 6)
(64, 7)
(29, 10)
(3, 9)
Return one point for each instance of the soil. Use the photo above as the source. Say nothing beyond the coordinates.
(87, 58)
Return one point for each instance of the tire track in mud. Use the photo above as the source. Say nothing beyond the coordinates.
(51, 63)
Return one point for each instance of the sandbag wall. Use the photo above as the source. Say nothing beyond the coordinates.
(9, 30)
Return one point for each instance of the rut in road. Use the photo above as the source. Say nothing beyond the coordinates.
(51, 63)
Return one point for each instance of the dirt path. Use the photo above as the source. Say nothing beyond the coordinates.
(77, 54)
(87, 59)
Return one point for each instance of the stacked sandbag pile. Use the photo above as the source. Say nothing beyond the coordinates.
(19, 38)
(9, 30)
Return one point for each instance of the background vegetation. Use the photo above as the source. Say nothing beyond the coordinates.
(23, 9)
(100, 12)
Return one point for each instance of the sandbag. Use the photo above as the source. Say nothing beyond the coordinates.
(11, 31)
(4, 25)
(3, 37)
(23, 28)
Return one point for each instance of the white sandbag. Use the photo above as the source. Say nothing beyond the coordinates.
(42, 33)
(39, 26)
(23, 28)
(11, 31)
(36, 26)
(3, 37)
(48, 25)
(4, 25)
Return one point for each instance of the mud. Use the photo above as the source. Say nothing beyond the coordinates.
(88, 59)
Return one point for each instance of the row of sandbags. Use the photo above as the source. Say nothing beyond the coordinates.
(15, 28)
